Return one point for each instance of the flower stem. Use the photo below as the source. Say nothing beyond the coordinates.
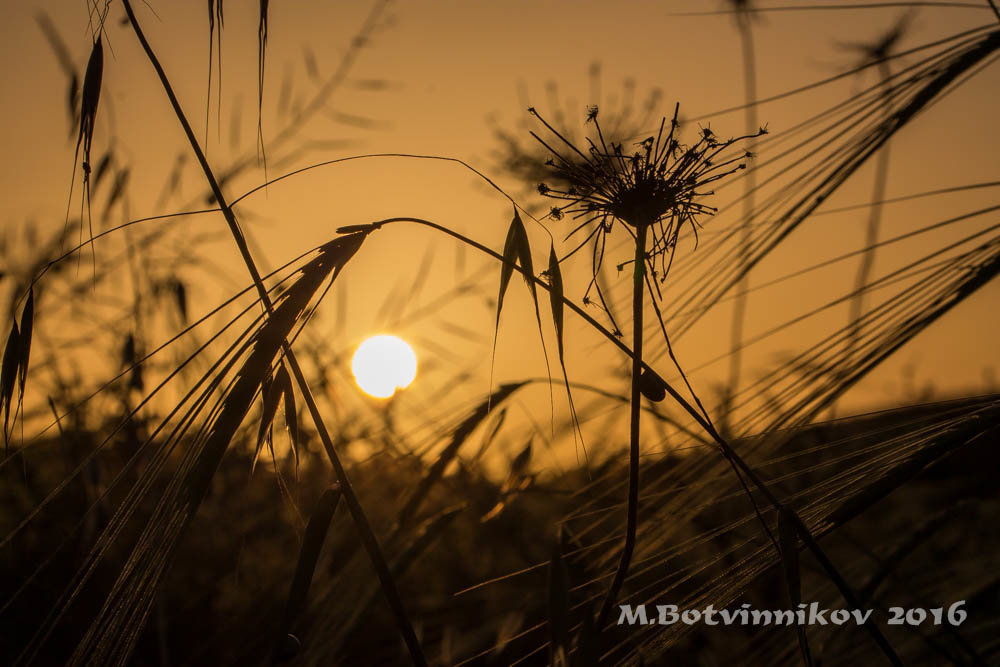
(632, 510)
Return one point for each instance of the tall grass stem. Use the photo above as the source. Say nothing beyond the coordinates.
(632, 509)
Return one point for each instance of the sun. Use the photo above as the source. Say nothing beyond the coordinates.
(384, 364)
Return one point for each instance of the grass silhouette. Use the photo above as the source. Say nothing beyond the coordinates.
(125, 500)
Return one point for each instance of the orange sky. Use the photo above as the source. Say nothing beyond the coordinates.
(453, 68)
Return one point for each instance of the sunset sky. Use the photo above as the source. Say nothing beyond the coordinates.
(438, 78)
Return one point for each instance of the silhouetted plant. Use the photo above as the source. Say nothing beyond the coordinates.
(653, 190)
(136, 483)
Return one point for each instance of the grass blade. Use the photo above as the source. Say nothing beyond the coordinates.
(273, 390)
(291, 418)
(557, 307)
(90, 96)
(510, 252)
(506, 271)
(528, 273)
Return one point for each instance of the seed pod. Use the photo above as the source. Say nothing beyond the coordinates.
(652, 386)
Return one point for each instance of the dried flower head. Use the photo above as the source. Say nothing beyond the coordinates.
(658, 186)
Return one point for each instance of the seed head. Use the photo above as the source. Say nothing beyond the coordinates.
(660, 184)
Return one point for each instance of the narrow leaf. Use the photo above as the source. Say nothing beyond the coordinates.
(509, 258)
(272, 395)
(90, 97)
(556, 298)
(556, 304)
(506, 271)
(8, 375)
(88, 117)
(27, 321)
(523, 251)
(523, 248)
(291, 417)
(520, 463)
(101, 170)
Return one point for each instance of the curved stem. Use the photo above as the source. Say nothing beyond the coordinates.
(632, 510)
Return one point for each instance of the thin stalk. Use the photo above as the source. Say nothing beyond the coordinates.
(632, 510)
(365, 531)
(749, 186)
(874, 222)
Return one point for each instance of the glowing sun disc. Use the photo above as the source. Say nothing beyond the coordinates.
(384, 364)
